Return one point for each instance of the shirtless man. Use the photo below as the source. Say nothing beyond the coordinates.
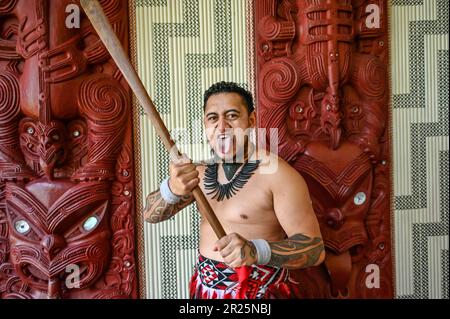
(269, 218)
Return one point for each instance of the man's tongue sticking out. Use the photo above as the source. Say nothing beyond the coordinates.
(224, 143)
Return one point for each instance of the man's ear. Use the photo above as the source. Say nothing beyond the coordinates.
(252, 119)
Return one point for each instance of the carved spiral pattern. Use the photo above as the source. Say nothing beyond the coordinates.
(102, 100)
(269, 27)
(280, 80)
(9, 97)
(95, 252)
(7, 6)
(371, 76)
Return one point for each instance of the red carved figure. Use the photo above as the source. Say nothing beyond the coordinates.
(322, 82)
(68, 230)
(66, 223)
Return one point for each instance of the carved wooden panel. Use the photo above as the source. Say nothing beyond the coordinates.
(66, 174)
(322, 82)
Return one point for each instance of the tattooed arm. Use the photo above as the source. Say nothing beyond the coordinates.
(293, 208)
(303, 246)
(183, 179)
(158, 210)
(297, 251)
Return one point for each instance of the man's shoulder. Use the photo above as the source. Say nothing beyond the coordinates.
(275, 163)
(275, 169)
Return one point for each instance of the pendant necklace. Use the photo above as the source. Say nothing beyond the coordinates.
(221, 191)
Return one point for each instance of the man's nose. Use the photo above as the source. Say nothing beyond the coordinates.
(223, 125)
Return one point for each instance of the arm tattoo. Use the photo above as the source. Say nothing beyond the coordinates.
(297, 251)
(252, 250)
(158, 210)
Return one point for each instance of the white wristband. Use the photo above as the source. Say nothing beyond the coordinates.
(167, 194)
(263, 251)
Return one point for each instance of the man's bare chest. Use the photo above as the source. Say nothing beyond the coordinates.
(253, 204)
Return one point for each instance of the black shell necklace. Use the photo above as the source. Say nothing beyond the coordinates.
(222, 191)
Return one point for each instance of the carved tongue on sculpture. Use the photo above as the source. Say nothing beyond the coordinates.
(335, 137)
(36, 276)
(331, 117)
(339, 268)
(47, 168)
(54, 288)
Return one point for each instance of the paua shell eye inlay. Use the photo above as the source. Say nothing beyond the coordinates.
(21, 226)
(360, 198)
(90, 223)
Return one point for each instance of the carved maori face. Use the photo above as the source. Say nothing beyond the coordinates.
(341, 186)
(57, 229)
(330, 119)
(43, 143)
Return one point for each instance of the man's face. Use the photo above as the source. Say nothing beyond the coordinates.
(227, 122)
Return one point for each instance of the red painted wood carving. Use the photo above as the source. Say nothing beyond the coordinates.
(66, 179)
(322, 82)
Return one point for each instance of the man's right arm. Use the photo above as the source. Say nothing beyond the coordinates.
(157, 209)
(183, 179)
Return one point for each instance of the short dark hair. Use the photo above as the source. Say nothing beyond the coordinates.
(229, 87)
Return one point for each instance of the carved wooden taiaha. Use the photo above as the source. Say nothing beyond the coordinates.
(104, 29)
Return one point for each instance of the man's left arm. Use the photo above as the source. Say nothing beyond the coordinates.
(303, 246)
(293, 206)
(297, 251)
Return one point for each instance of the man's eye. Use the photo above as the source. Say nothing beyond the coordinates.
(212, 118)
(232, 116)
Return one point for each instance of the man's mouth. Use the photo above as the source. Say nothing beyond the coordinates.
(224, 143)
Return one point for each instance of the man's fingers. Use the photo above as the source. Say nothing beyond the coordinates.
(236, 260)
(223, 242)
(233, 258)
(234, 252)
(227, 250)
(183, 169)
(181, 160)
(191, 184)
(183, 165)
(233, 238)
(189, 176)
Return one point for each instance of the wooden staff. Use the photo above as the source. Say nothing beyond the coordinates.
(101, 24)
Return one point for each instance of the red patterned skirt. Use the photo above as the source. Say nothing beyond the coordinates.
(215, 280)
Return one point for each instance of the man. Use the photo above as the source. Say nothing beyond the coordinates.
(268, 217)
